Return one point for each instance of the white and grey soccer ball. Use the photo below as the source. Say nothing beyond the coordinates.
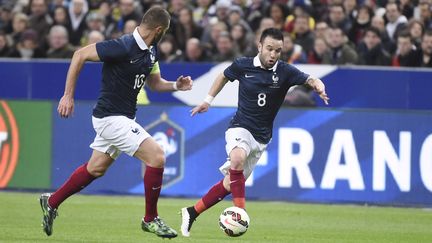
(234, 221)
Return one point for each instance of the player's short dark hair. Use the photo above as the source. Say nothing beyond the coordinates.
(273, 33)
(156, 16)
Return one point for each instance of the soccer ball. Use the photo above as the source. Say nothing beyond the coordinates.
(234, 221)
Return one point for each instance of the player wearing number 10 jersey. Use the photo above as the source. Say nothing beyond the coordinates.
(128, 62)
(263, 84)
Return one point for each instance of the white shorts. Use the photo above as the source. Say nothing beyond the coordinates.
(116, 134)
(239, 137)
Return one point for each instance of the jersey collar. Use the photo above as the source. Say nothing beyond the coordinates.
(139, 40)
(257, 63)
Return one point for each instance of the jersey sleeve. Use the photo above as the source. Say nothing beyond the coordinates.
(155, 68)
(233, 71)
(296, 76)
(111, 50)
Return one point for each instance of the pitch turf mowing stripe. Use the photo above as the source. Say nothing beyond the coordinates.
(86, 218)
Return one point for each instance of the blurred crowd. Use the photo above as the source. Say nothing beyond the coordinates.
(337, 32)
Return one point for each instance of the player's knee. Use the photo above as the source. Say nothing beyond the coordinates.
(97, 171)
(157, 160)
(160, 160)
(237, 163)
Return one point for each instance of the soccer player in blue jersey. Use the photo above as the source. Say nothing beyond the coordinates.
(128, 62)
(263, 82)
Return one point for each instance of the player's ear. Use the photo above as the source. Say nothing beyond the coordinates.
(159, 29)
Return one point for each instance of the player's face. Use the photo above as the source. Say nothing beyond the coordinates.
(269, 51)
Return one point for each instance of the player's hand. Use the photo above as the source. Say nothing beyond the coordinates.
(318, 86)
(184, 83)
(200, 108)
(66, 106)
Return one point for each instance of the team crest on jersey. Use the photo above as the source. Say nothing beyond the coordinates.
(170, 136)
(9, 144)
(275, 79)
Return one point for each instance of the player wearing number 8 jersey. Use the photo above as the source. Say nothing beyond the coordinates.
(128, 61)
(263, 84)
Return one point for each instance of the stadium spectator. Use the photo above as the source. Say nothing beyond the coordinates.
(185, 28)
(27, 48)
(222, 10)
(202, 12)
(255, 12)
(416, 30)
(338, 18)
(127, 12)
(6, 19)
(19, 25)
(210, 36)
(78, 10)
(40, 21)
(407, 8)
(94, 36)
(350, 8)
(61, 17)
(59, 46)
(168, 51)
(292, 52)
(130, 26)
(175, 6)
(194, 52)
(316, 55)
(321, 29)
(361, 22)
(371, 51)
(425, 15)
(5, 50)
(302, 33)
(407, 55)
(94, 22)
(395, 20)
(339, 53)
(278, 12)
(426, 49)
(105, 10)
(298, 11)
(243, 39)
(226, 50)
(114, 113)
(379, 23)
(236, 16)
(263, 83)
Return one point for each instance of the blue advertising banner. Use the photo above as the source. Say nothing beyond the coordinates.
(339, 156)
(348, 87)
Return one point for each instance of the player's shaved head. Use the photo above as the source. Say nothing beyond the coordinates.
(156, 16)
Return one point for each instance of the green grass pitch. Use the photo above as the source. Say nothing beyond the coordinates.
(85, 218)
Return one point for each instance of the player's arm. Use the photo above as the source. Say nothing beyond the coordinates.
(217, 86)
(318, 86)
(87, 53)
(157, 83)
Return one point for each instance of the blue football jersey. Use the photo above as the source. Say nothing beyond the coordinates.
(261, 93)
(127, 62)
